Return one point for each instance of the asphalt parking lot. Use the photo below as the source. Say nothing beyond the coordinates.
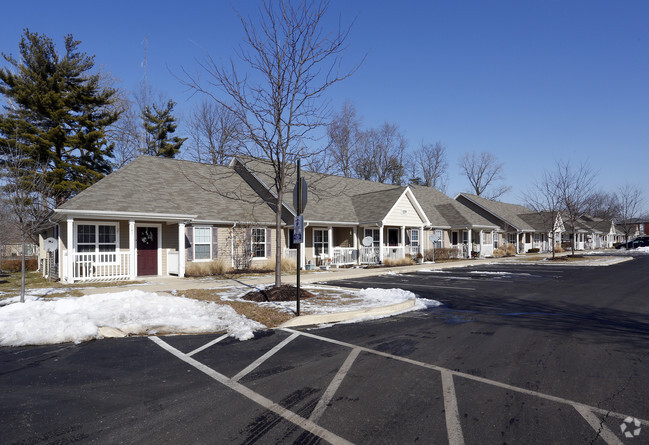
(517, 354)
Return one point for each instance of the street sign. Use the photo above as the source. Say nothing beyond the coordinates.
(50, 244)
(298, 229)
(296, 195)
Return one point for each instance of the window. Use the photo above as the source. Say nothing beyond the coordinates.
(97, 238)
(512, 238)
(465, 236)
(414, 237)
(440, 239)
(202, 243)
(320, 241)
(259, 243)
(486, 237)
(374, 233)
(537, 237)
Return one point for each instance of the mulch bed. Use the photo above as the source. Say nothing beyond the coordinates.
(282, 293)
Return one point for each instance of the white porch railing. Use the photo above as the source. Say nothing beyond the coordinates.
(369, 255)
(393, 252)
(173, 263)
(290, 254)
(101, 266)
(345, 255)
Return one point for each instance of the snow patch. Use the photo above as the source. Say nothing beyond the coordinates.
(78, 319)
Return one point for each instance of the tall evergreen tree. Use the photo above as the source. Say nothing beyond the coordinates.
(159, 124)
(57, 114)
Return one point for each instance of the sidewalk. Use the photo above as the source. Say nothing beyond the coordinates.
(168, 285)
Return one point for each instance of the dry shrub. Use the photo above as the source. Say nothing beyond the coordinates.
(31, 264)
(206, 268)
(558, 248)
(499, 252)
(288, 265)
(406, 261)
(511, 249)
(442, 254)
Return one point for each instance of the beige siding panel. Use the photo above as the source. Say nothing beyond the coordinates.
(404, 214)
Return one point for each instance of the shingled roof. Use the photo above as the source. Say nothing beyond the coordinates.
(508, 213)
(444, 212)
(158, 186)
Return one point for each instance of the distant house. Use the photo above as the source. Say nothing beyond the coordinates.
(157, 217)
(519, 225)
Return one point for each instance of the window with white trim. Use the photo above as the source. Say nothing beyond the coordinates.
(320, 241)
(258, 239)
(439, 234)
(97, 238)
(486, 237)
(512, 238)
(374, 234)
(202, 243)
(414, 237)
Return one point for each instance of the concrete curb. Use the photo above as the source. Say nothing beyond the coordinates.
(315, 319)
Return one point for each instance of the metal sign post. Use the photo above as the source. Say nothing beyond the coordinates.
(299, 202)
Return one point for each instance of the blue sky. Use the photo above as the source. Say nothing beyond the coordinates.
(531, 82)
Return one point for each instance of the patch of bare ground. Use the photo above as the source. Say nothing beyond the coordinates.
(268, 316)
(285, 292)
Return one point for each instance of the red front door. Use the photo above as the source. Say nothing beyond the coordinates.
(147, 251)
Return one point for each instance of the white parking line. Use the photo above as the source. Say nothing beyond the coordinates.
(296, 419)
(251, 367)
(604, 432)
(213, 342)
(453, 426)
(333, 386)
(541, 395)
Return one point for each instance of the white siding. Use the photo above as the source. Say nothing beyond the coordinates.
(404, 214)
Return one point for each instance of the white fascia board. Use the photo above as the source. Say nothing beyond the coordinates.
(125, 215)
(229, 223)
(413, 201)
(331, 223)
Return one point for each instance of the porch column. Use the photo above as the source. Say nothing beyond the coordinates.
(481, 238)
(403, 241)
(131, 248)
(330, 236)
(421, 241)
(302, 247)
(355, 243)
(181, 250)
(381, 243)
(470, 243)
(71, 251)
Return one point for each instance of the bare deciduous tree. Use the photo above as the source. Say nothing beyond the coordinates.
(601, 204)
(29, 199)
(630, 200)
(484, 173)
(285, 64)
(543, 197)
(431, 160)
(380, 154)
(215, 133)
(343, 133)
(574, 185)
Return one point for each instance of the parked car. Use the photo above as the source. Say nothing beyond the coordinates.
(641, 241)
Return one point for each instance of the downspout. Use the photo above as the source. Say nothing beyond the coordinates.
(232, 246)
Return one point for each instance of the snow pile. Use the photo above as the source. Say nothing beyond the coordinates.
(644, 249)
(73, 319)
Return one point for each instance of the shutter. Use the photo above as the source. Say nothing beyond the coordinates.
(215, 242)
(189, 240)
(248, 245)
(408, 237)
(268, 231)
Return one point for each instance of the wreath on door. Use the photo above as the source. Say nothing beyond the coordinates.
(147, 236)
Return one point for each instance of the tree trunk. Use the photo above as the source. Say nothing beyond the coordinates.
(22, 270)
(278, 238)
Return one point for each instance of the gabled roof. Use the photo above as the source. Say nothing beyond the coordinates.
(444, 212)
(331, 198)
(508, 213)
(159, 186)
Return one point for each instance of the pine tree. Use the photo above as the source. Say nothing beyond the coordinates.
(58, 113)
(159, 123)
